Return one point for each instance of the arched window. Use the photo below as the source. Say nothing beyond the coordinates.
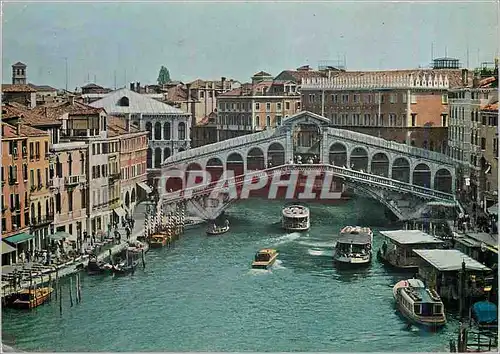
(257, 121)
(182, 131)
(167, 131)
(157, 131)
(268, 121)
(149, 128)
(149, 158)
(124, 102)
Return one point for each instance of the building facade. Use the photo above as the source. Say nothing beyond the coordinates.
(404, 99)
(68, 180)
(488, 136)
(24, 190)
(133, 146)
(169, 129)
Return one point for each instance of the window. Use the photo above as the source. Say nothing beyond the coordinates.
(32, 178)
(37, 150)
(32, 151)
(404, 97)
(3, 175)
(278, 106)
(444, 99)
(311, 98)
(268, 121)
(444, 120)
(367, 119)
(355, 98)
(335, 98)
(257, 106)
(495, 147)
(257, 121)
(483, 143)
(413, 99)
(392, 98)
(268, 106)
(182, 131)
(287, 105)
(58, 202)
(413, 119)
(345, 98)
(278, 120)
(70, 200)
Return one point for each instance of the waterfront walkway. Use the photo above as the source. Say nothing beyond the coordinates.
(40, 273)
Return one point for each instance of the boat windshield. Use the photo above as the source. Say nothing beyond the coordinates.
(426, 309)
(351, 248)
(262, 257)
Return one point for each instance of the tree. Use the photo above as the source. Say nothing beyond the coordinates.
(163, 76)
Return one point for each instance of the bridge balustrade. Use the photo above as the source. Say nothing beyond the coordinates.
(343, 172)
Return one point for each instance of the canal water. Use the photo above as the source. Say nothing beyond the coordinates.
(201, 295)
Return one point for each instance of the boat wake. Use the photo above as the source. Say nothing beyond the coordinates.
(283, 239)
(313, 252)
(317, 244)
(256, 272)
(278, 265)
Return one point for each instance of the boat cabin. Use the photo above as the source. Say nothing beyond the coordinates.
(296, 216)
(398, 246)
(353, 243)
(421, 301)
(264, 255)
(440, 269)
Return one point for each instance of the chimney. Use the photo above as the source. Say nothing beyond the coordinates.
(132, 86)
(18, 128)
(223, 79)
(138, 87)
(465, 77)
(71, 100)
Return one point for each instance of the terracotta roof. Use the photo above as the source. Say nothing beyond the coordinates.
(42, 87)
(176, 93)
(117, 127)
(244, 90)
(491, 107)
(10, 131)
(57, 110)
(262, 73)
(210, 119)
(298, 75)
(27, 116)
(17, 88)
(19, 64)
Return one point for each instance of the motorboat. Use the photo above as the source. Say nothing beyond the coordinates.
(419, 304)
(28, 299)
(214, 230)
(295, 218)
(97, 267)
(265, 258)
(354, 245)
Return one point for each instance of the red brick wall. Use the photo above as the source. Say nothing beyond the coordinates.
(429, 108)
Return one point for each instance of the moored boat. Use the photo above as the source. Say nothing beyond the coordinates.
(96, 267)
(158, 240)
(295, 218)
(354, 245)
(31, 298)
(265, 258)
(418, 304)
(214, 230)
(124, 268)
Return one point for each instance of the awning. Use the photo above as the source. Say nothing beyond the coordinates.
(59, 235)
(6, 248)
(120, 212)
(19, 238)
(493, 210)
(146, 188)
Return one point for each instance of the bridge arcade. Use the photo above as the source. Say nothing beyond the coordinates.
(307, 135)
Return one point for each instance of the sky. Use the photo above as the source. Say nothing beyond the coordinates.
(125, 42)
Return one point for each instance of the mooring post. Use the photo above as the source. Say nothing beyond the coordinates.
(76, 289)
(70, 294)
(60, 299)
(80, 287)
(143, 261)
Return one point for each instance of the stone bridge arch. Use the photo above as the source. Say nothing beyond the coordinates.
(235, 162)
(422, 175)
(401, 169)
(215, 166)
(255, 159)
(276, 154)
(443, 180)
(337, 154)
(358, 158)
(380, 163)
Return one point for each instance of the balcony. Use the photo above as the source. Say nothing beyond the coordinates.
(41, 221)
(113, 177)
(73, 180)
(83, 133)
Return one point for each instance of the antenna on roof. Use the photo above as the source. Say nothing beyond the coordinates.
(66, 65)
(114, 77)
(467, 55)
(432, 51)
(95, 78)
(446, 52)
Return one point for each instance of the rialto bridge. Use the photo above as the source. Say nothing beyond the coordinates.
(402, 177)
